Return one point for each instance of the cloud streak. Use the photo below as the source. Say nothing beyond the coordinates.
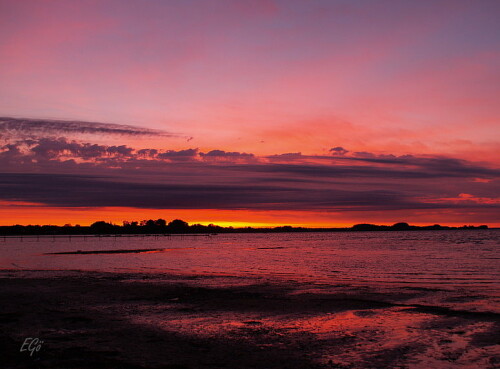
(63, 190)
(81, 191)
(37, 127)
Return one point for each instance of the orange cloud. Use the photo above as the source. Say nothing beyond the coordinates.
(465, 197)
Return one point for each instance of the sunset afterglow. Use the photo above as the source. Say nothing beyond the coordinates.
(258, 113)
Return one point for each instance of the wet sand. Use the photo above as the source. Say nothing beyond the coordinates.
(134, 320)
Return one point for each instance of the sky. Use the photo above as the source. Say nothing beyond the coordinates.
(313, 113)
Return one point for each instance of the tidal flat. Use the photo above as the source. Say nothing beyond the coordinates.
(88, 319)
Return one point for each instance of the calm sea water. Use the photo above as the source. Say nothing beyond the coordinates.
(434, 258)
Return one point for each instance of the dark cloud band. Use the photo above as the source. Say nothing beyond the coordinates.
(85, 191)
(69, 173)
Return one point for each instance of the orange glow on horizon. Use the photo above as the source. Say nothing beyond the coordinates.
(41, 215)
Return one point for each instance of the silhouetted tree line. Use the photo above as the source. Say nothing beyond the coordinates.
(407, 227)
(178, 226)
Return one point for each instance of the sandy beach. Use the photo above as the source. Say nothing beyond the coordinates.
(134, 320)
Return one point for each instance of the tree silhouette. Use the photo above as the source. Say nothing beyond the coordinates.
(401, 226)
(102, 227)
(161, 223)
(178, 225)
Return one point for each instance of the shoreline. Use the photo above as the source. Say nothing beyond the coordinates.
(181, 321)
(377, 229)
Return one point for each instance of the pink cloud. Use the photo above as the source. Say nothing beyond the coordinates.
(465, 197)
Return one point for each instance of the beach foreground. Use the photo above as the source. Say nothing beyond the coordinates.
(134, 320)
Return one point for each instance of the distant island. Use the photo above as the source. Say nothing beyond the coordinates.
(178, 226)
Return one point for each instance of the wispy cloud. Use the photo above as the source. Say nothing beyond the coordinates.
(219, 155)
(39, 127)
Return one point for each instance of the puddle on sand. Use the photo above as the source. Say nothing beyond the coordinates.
(389, 336)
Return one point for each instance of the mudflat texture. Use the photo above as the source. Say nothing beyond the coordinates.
(115, 320)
